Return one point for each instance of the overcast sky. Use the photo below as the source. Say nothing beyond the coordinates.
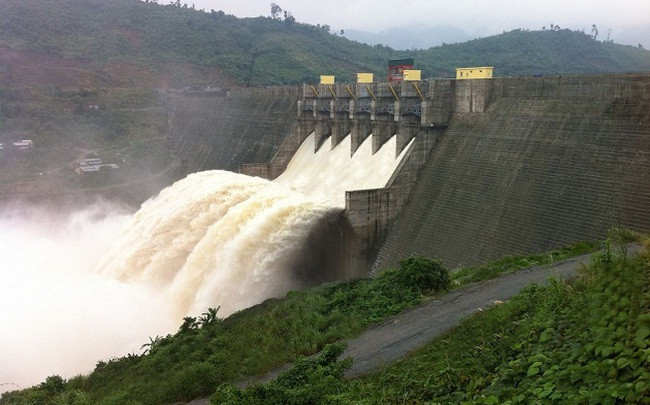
(628, 19)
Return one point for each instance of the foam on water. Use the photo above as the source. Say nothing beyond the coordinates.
(224, 239)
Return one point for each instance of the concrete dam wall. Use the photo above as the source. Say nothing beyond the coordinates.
(492, 167)
(527, 165)
(224, 129)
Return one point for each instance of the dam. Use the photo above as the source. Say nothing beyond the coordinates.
(490, 167)
(465, 171)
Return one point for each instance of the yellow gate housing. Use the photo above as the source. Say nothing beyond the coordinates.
(484, 72)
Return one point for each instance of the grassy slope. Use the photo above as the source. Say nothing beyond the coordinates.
(583, 341)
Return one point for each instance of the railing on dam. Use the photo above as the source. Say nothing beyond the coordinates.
(423, 103)
(426, 103)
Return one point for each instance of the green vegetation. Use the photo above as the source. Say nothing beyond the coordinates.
(581, 341)
(60, 57)
(309, 381)
(178, 44)
(208, 351)
(522, 52)
(510, 264)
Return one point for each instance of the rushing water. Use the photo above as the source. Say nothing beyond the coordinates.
(330, 172)
(216, 239)
(224, 239)
(98, 283)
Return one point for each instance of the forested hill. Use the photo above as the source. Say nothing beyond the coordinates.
(122, 42)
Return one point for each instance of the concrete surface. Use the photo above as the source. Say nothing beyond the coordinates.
(548, 162)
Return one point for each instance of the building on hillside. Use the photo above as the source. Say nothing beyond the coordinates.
(93, 164)
(484, 72)
(89, 162)
(86, 169)
(396, 68)
(24, 144)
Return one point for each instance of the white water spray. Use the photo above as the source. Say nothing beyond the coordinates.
(57, 316)
(330, 172)
(224, 239)
(213, 239)
(216, 239)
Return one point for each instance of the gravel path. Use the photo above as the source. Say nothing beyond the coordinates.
(397, 337)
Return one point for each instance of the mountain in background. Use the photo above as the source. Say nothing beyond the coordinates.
(99, 43)
(548, 52)
(418, 37)
(410, 37)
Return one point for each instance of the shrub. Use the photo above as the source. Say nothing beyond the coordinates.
(309, 381)
(418, 274)
(198, 380)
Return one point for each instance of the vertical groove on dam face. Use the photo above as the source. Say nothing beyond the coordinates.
(541, 168)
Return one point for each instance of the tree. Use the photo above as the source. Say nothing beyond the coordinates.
(209, 316)
(276, 11)
(189, 323)
(288, 17)
(148, 347)
(53, 384)
(594, 31)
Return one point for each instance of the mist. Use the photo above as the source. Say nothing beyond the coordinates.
(59, 317)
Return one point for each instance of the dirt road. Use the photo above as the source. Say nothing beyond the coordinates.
(395, 338)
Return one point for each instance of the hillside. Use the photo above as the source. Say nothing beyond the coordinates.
(521, 53)
(581, 341)
(126, 127)
(128, 42)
